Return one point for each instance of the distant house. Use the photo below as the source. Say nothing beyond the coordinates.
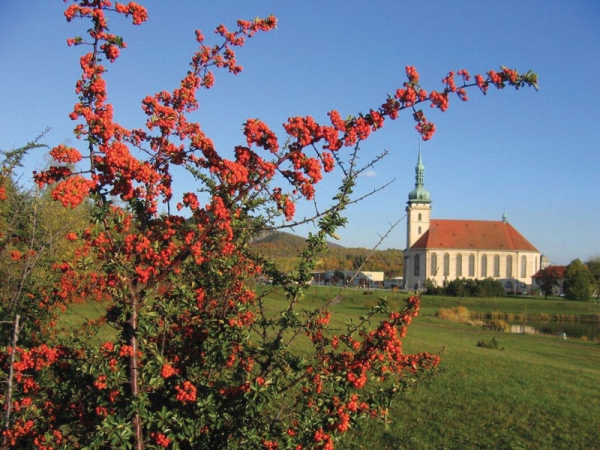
(318, 277)
(344, 277)
(443, 250)
(554, 273)
(369, 279)
(391, 283)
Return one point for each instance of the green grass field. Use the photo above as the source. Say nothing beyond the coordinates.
(534, 392)
(537, 393)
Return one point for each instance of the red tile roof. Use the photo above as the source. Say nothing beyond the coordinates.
(473, 234)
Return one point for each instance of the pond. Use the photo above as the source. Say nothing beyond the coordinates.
(573, 330)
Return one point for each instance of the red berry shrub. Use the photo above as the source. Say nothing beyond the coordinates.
(200, 361)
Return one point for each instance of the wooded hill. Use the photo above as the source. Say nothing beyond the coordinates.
(283, 248)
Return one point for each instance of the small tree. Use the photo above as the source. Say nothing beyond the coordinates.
(491, 288)
(578, 281)
(594, 266)
(431, 287)
(456, 288)
(549, 278)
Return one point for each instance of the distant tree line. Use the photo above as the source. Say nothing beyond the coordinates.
(284, 248)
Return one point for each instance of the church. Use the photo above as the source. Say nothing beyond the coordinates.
(442, 250)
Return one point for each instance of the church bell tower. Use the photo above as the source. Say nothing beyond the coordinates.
(418, 209)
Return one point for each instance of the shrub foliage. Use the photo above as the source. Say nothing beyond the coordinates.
(463, 287)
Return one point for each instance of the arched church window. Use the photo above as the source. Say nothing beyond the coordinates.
(420, 230)
(446, 264)
(484, 266)
(417, 268)
(471, 265)
(509, 263)
(420, 219)
(433, 271)
(523, 266)
(497, 266)
(458, 265)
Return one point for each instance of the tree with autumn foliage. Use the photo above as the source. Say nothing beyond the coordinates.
(549, 279)
(198, 359)
(33, 236)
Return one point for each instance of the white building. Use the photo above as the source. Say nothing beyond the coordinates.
(343, 277)
(443, 250)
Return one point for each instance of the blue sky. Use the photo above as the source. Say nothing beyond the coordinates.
(534, 155)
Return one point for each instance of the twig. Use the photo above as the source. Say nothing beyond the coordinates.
(10, 379)
(381, 239)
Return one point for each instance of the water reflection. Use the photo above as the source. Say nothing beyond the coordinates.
(523, 329)
(559, 329)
